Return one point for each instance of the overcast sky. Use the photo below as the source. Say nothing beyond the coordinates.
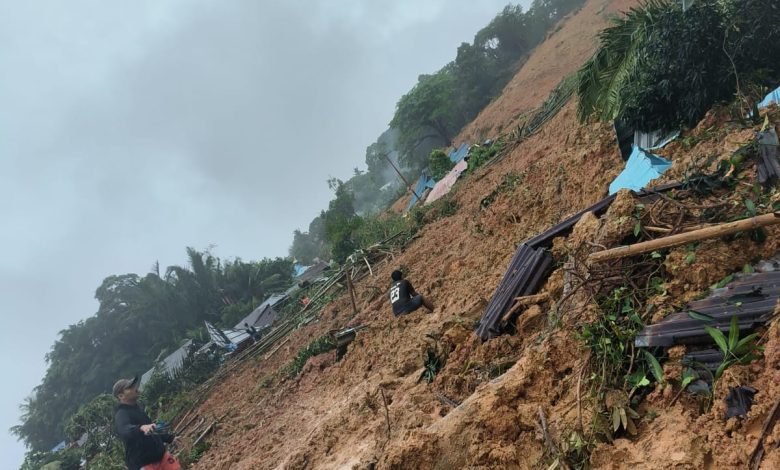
(130, 130)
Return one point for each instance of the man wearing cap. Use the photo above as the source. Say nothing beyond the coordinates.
(144, 449)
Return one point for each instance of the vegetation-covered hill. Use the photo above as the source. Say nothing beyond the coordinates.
(564, 386)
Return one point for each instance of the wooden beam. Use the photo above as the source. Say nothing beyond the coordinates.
(524, 301)
(688, 237)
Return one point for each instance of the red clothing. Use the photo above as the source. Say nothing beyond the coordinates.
(168, 462)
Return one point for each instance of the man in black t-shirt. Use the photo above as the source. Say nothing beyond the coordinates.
(144, 448)
(403, 296)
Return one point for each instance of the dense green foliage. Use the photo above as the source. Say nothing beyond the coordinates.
(68, 459)
(481, 154)
(660, 67)
(96, 419)
(138, 319)
(341, 222)
(439, 164)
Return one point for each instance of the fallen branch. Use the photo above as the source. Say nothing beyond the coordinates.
(446, 400)
(524, 301)
(268, 356)
(758, 451)
(181, 424)
(550, 443)
(683, 238)
(208, 430)
(532, 299)
(387, 412)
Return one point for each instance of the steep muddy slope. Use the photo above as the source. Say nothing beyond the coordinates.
(565, 49)
(484, 408)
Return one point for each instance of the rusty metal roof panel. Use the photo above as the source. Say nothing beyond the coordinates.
(545, 238)
(524, 276)
(767, 166)
(751, 298)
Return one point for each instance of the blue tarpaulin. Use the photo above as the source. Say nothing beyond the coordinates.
(459, 154)
(299, 269)
(772, 98)
(641, 168)
(425, 182)
(59, 447)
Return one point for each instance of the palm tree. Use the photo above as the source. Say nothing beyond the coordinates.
(602, 78)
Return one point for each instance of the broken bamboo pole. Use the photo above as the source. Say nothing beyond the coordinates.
(208, 430)
(268, 356)
(683, 238)
(352, 294)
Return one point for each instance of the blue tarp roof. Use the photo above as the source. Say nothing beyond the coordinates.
(425, 182)
(459, 154)
(59, 447)
(641, 168)
(771, 98)
(299, 269)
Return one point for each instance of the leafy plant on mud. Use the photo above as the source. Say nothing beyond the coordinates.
(611, 336)
(508, 185)
(735, 350)
(319, 346)
(195, 453)
(619, 375)
(434, 360)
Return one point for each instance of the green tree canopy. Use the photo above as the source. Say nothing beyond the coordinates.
(138, 319)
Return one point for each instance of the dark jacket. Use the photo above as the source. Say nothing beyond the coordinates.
(140, 449)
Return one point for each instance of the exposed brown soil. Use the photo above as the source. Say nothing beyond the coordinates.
(482, 410)
(566, 48)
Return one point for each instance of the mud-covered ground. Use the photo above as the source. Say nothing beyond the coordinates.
(482, 410)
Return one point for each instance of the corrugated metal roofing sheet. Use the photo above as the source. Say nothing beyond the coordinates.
(459, 153)
(772, 98)
(424, 183)
(314, 272)
(751, 298)
(170, 363)
(262, 312)
(526, 271)
(545, 239)
(767, 167)
(524, 263)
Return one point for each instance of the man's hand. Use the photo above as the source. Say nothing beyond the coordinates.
(148, 428)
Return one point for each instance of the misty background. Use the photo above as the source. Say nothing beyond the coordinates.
(129, 131)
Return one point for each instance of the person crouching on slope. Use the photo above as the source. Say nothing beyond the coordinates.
(403, 296)
(144, 450)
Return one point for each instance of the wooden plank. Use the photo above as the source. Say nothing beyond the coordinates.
(683, 238)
